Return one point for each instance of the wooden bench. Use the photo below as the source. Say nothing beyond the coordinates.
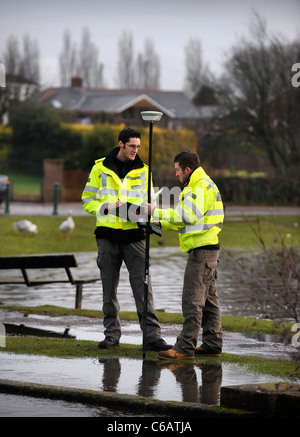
(25, 263)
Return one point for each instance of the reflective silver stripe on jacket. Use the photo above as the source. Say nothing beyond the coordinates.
(127, 193)
(143, 179)
(133, 178)
(193, 206)
(215, 212)
(88, 199)
(108, 191)
(91, 189)
(132, 193)
(183, 215)
(103, 178)
(200, 227)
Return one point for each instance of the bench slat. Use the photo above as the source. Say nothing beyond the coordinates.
(32, 283)
(37, 262)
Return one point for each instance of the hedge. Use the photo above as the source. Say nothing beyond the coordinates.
(260, 190)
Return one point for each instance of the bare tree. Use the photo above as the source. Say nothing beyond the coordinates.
(12, 55)
(196, 71)
(142, 71)
(83, 62)
(25, 64)
(125, 77)
(67, 59)
(88, 65)
(257, 87)
(148, 67)
(29, 66)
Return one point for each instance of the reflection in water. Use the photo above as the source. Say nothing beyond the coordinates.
(206, 391)
(164, 381)
(111, 374)
(149, 379)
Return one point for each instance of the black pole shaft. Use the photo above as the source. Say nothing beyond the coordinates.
(147, 253)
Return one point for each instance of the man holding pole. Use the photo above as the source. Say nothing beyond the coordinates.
(198, 218)
(118, 180)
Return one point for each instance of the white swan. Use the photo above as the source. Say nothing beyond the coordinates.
(67, 226)
(25, 227)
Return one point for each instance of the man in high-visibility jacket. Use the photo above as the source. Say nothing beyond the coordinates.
(198, 218)
(119, 178)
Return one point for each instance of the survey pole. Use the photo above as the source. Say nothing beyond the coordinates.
(150, 116)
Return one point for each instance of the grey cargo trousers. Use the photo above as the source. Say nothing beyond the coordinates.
(110, 258)
(200, 304)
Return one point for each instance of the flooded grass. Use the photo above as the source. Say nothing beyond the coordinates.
(72, 348)
(229, 323)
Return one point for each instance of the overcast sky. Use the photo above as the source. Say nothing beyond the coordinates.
(169, 23)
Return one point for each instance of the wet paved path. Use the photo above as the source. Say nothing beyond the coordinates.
(25, 208)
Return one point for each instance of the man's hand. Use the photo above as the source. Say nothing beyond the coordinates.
(148, 208)
(112, 206)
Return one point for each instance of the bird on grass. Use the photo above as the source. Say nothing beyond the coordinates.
(67, 226)
(25, 227)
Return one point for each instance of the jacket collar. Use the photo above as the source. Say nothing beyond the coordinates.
(197, 174)
(110, 162)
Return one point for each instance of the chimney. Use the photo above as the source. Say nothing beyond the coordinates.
(76, 82)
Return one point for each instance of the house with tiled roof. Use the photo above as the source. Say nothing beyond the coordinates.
(125, 105)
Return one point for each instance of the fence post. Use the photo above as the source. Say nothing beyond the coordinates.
(55, 197)
(2, 335)
(7, 198)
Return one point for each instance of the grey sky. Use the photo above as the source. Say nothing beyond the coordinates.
(170, 24)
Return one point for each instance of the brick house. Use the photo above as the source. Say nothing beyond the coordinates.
(125, 105)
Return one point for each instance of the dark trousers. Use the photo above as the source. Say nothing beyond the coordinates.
(200, 304)
(110, 258)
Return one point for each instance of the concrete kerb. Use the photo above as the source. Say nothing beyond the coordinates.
(279, 399)
(120, 401)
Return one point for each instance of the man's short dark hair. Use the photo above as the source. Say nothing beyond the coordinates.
(188, 159)
(127, 133)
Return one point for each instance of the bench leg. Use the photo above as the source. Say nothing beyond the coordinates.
(78, 296)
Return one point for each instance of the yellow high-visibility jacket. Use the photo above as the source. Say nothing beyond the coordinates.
(104, 186)
(199, 214)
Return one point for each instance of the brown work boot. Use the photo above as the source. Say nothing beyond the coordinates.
(171, 354)
(200, 351)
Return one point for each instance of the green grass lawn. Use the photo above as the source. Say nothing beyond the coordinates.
(235, 234)
(24, 184)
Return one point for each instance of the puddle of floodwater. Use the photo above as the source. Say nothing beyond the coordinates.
(159, 380)
(167, 271)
